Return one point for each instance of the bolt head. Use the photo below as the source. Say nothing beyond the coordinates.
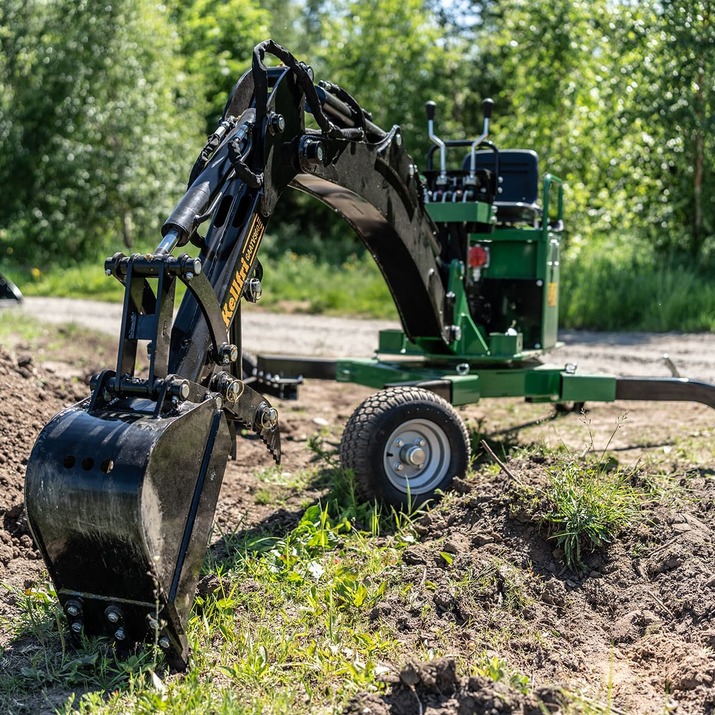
(276, 123)
(312, 151)
(76, 627)
(113, 615)
(120, 634)
(164, 643)
(72, 608)
(228, 353)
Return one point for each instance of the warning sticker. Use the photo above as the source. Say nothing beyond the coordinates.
(552, 294)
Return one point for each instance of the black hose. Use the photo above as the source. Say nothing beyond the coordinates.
(304, 79)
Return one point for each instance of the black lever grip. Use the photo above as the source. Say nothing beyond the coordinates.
(431, 108)
(487, 106)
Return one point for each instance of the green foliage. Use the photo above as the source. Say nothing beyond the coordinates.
(549, 60)
(90, 149)
(613, 96)
(666, 119)
(217, 41)
(625, 284)
(303, 283)
(85, 279)
(589, 507)
(391, 67)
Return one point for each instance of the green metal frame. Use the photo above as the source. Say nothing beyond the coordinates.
(535, 382)
(529, 253)
(477, 364)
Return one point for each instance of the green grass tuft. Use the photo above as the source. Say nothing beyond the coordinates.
(587, 508)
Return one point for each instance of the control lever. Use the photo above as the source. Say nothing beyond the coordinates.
(431, 108)
(487, 106)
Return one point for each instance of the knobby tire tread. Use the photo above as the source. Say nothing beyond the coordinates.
(365, 421)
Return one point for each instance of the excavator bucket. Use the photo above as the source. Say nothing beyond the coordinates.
(120, 500)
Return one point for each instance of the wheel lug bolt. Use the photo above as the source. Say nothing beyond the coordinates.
(120, 634)
(76, 627)
(398, 443)
(164, 642)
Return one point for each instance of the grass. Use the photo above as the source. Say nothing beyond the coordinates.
(47, 341)
(16, 328)
(299, 637)
(587, 498)
(635, 289)
(288, 626)
(287, 629)
(626, 286)
(587, 507)
(83, 280)
(291, 282)
(355, 287)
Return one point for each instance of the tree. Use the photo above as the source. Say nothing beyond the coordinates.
(391, 56)
(94, 150)
(217, 40)
(670, 101)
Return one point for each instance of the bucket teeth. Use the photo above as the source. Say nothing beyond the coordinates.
(120, 503)
(254, 412)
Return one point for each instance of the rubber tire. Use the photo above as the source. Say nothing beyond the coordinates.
(364, 440)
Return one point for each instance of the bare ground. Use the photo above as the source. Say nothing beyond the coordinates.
(634, 632)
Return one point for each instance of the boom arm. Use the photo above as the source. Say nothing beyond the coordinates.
(364, 174)
(122, 487)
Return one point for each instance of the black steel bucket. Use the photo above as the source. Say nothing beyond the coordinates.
(120, 503)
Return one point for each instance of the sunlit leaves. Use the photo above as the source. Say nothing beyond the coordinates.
(96, 154)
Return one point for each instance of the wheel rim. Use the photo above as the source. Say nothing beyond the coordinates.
(417, 456)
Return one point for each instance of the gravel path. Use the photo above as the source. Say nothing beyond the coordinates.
(294, 334)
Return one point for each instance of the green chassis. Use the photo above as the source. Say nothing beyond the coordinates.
(462, 385)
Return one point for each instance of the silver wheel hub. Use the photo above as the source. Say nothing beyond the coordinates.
(417, 456)
(414, 455)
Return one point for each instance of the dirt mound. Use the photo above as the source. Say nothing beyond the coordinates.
(434, 688)
(31, 394)
(633, 630)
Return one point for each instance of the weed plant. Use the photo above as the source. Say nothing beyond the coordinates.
(587, 508)
(588, 501)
